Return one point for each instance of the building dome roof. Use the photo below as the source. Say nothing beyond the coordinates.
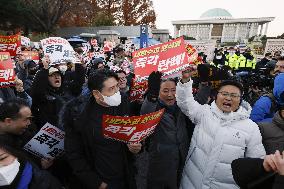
(216, 13)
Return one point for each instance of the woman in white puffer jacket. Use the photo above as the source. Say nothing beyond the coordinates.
(222, 134)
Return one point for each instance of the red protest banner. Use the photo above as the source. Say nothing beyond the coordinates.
(7, 74)
(192, 54)
(108, 46)
(132, 129)
(169, 58)
(137, 90)
(11, 44)
(31, 55)
(94, 42)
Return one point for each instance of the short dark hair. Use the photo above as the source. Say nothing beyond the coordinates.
(11, 108)
(232, 82)
(120, 71)
(280, 58)
(175, 80)
(98, 77)
(267, 54)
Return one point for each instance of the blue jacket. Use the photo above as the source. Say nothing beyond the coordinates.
(261, 109)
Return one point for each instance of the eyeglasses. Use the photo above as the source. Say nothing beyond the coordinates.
(279, 66)
(232, 95)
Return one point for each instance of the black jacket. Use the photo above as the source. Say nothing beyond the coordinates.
(93, 158)
(273, 134)
(40, 179)
(250, 174)
(47, 101)
(168, 145)
(262, 63)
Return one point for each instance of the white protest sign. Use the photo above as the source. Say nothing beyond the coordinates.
(36, 45)
(47, 143)
(25, 41)
(99, 55)
(94, 42)
(86, 47)
(58, 49)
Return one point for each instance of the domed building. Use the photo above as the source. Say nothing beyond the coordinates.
(219, 24)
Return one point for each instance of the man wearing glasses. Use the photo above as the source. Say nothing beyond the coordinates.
(223, 132)
(279, 67)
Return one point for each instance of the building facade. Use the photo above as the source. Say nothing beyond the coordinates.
(218, 24)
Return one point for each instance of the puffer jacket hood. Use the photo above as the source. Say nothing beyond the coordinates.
(279, 88)
(241, 114)
(278, 120)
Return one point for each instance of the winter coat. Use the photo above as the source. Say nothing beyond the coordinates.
(273, 134)
(261, 109)
(90, 154)
(250, 174)
(168, 145)
(9, 93)
(218, 139)
(31, 177)
(262, 63)
(47, 101)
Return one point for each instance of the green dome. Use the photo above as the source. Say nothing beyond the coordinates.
(216, 13)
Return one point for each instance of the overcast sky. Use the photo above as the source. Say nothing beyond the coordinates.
(169, 10)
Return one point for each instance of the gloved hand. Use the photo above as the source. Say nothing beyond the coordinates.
(204, 72)
(154, 82)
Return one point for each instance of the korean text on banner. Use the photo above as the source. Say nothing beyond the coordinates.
(11, 44)
(25, 41)
(47, 143)
(31, 55)
(58, 49)
(137, 90)
(7, 74)
(192, 54)
(108, 46)
(169, 58)
(131, 129)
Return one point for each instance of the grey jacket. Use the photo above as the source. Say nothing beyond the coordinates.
(273, 134)
(168, 146)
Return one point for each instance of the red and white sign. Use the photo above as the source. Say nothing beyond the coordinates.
(137, 90)
(58, 49)
(94, 42)
(31, 55)
(132, 129)
(168, 58)
(25, 41)
(108, 46)
(47, 143)
(192, 54)
(11, 44)
(7, 73)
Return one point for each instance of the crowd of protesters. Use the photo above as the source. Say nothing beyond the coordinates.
(209, 137)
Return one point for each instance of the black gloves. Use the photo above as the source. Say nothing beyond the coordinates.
(203, 72)
(154, 82)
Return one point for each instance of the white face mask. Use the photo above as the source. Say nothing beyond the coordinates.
(8, 173)
(218, 57)
(63, 68)
(113, 100)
